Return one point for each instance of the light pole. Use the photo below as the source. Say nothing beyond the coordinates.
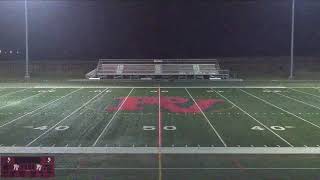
(292, 39)
(27, 75)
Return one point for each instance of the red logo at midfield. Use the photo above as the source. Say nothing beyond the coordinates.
(171, 104)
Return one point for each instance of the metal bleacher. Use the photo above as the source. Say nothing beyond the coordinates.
(158, 68)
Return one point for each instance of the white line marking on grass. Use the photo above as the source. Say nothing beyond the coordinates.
(169, 87)
(256, 120)
(31, 112)
(182, 168)
(159, 119)
(280, 108)
(114, 115)
(298, 101)
(305, 93)
(13, 92)
(215, 131)
(163, 150)
(78, 109)
(29, 97)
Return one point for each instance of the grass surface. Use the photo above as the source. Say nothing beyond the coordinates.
(231, 117)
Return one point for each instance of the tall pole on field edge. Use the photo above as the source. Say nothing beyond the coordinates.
(27, 75)
(292, 39)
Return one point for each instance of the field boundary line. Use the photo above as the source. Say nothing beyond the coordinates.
(168, 87)
(190, 168)
(106, 127)
(152, 87)
(164, 150)
(39, 108)
(3, 95)
(83, 105)
(24, 99)
(305, 93)
(280, 108)
(204, 115)
(284, 140)
(298, 101)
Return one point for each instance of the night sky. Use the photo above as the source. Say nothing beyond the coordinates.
(88, 29)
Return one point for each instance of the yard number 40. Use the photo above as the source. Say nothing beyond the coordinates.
(276, 128)
(58, 128)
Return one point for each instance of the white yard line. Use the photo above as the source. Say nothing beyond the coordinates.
(298, 101)
(305, 93)
(280, 108)
(159, 119)
(255, 119)
(29, 97)
(114, 115)
(13, 92)
(215, 131)
(78, 109)
(31, 112)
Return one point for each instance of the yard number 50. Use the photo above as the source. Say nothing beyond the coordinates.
(166, 128)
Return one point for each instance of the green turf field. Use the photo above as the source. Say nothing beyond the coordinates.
(167, 117)
(230, 117)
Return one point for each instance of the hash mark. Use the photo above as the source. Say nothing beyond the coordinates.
(289, 127)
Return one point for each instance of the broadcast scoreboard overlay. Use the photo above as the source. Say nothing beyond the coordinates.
(27, 167)
(158, 131)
